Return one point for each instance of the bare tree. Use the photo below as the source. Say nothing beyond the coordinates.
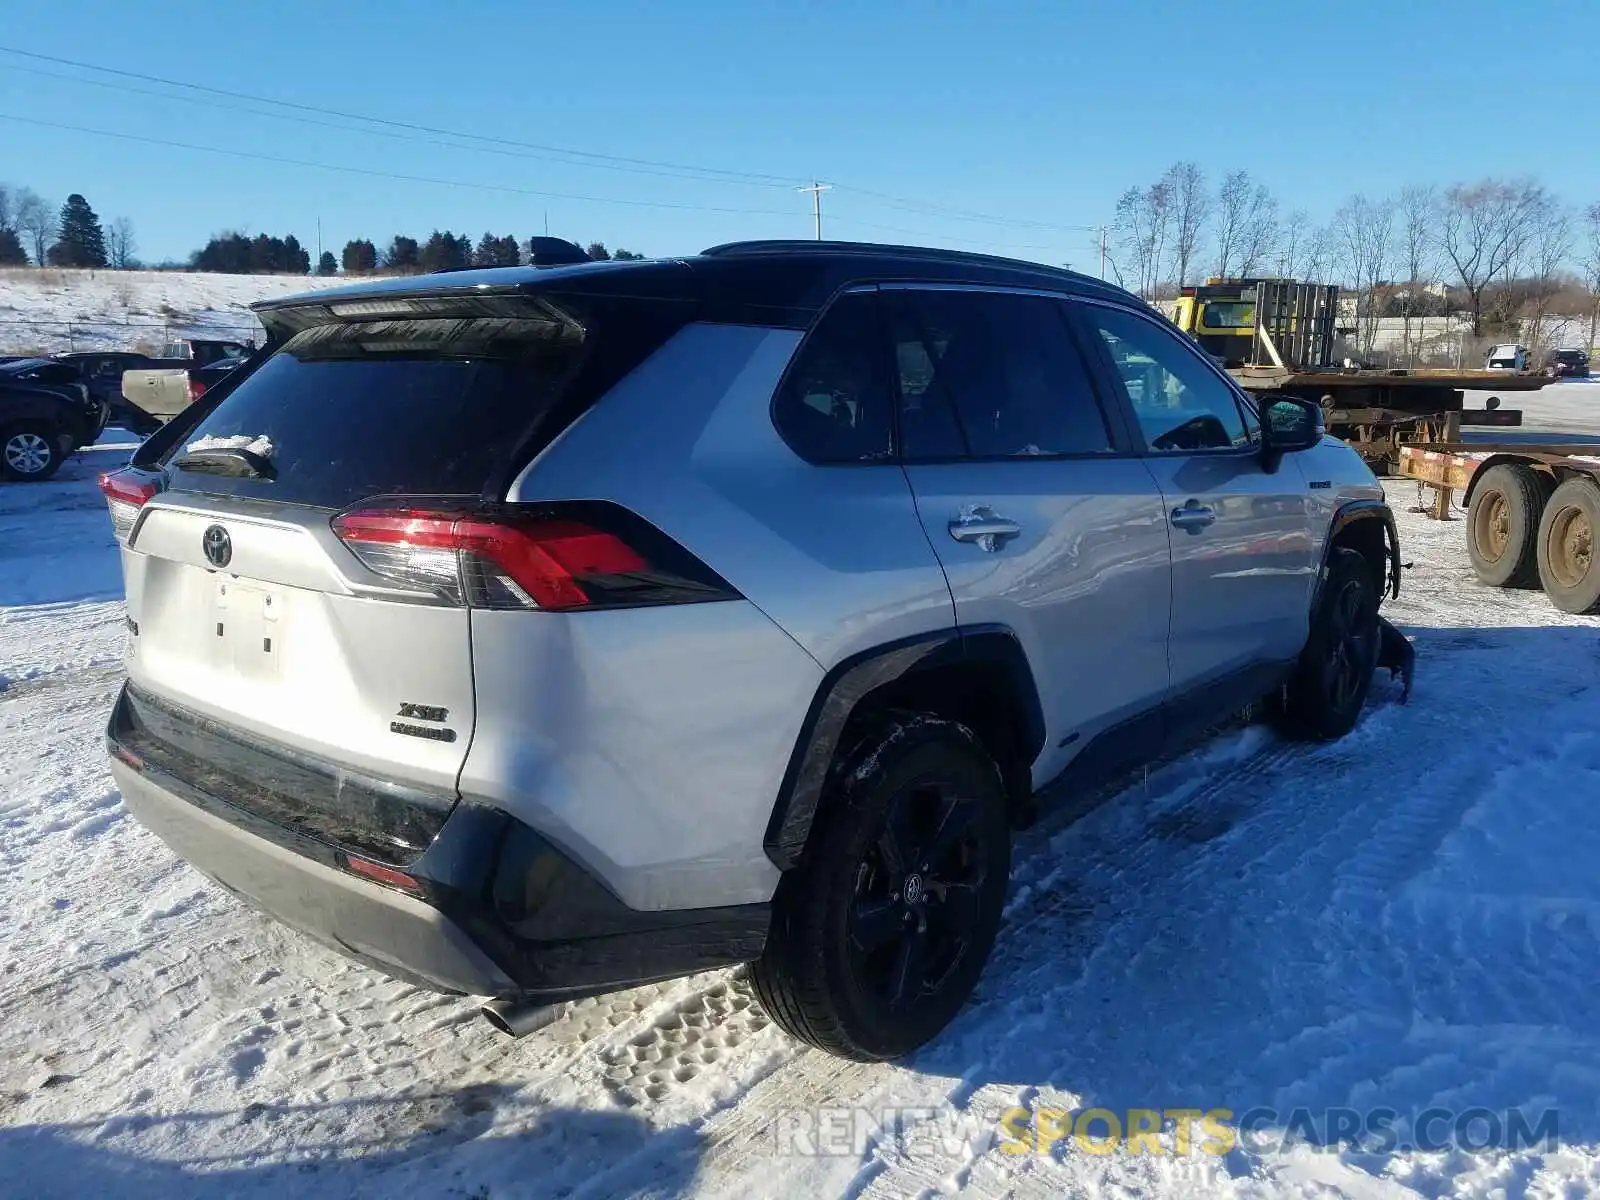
(1246, 223)
(7, 212)
(1484, 228)
(120, 244)
(1318, 256)
(1144, 222)
(1418, 210)
(36, 220)
(1549, 245)
(1185, 185)
(1293, 235)
(1591, 267)
(1260, 233)
(1362, 233)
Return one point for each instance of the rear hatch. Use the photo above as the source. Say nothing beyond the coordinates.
(290, 649)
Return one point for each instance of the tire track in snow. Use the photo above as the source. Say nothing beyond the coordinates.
(1348, 846)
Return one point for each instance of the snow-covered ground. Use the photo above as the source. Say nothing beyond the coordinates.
(53, 310)
(1572, 407)
(1407, 919)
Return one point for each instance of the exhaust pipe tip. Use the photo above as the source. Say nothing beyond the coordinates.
(517, 1018)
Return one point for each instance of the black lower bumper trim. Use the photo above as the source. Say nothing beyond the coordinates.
(551, 930)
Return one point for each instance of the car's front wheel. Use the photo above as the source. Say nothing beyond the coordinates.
(31, 450)
(879, 936)
(1330, 683)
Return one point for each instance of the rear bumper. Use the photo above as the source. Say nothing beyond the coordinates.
(491, 908)
(380, 926)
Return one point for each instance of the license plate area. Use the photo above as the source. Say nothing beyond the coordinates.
(246, 628)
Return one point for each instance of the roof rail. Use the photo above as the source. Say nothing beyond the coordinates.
(801, 247)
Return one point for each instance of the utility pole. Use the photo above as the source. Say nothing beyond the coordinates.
(319, 241)
(816, 189)
(1102, 252)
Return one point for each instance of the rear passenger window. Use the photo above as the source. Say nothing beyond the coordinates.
(834, 405)
(990, 375)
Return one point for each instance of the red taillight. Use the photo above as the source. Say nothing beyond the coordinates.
(570, 557)
(196, 389)
(507, 562)
(126, 492)
(381, 873)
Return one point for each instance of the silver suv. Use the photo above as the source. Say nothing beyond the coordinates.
(537, 632)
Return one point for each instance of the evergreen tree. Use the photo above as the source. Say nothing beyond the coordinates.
(226, 253)
(80, 242)
(598, 251)
(296, 258)
(628, 256)
(446, 252)
(403, 255)
(266, 254)
(327, 264)
(360, 257)
(11, 252)
(496, 252)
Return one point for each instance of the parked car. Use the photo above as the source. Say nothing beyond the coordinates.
(537, 632)
(158, 394)
(1569, 364)
(41, 427)
(202, 352)
(1506, 358)
(37, 436)
(102, 370)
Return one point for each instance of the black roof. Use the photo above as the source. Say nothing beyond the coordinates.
(776, 282)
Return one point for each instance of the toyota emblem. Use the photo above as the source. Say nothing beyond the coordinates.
(217, 545)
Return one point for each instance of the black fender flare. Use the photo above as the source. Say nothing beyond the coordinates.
(1346, 515)
(850, 681)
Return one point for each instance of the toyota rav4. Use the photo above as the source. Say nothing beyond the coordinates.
(538, 632)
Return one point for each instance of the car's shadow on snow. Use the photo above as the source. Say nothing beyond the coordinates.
(56, 545)
(1406, 919)
(474, 1142)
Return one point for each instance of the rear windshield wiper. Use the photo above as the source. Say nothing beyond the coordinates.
(232, 461)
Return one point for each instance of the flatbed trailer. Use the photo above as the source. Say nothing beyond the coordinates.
(1380, 412)
(1533, 512)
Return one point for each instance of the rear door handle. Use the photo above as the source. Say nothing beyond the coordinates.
(985, 527)
(1192, 516)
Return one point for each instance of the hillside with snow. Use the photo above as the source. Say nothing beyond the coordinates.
(47, 311)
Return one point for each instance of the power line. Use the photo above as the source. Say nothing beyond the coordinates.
(508, 146)
(322, 166)
(957, 214)
(394, 124)
(551, 156)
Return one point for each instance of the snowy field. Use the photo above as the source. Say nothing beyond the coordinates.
(53, 310)
(1572, 407)
(1408, 919)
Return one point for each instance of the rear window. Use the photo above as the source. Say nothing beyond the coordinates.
(432, 406)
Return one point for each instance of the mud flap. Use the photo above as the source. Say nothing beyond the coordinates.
(1397, 654)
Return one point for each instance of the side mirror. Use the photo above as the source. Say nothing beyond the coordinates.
(1289, 423)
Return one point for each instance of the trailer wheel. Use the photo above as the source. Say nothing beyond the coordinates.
(1503, 525)
(1568, 566)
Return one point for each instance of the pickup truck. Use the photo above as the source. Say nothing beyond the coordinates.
(177, 379)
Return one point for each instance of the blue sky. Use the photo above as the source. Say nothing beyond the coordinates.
(1036, 113)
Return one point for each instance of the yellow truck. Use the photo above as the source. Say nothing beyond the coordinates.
(1278, 335)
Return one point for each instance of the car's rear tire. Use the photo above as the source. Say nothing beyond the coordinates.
(32, 450)
(1325, 695)
(879, 936)
(1569, 569)
(1503, 524)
